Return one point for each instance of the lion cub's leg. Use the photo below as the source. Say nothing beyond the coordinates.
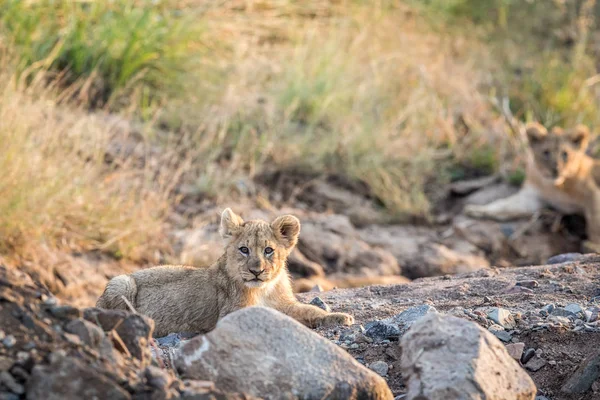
(592, 222)
(313, 316)
(522, 204)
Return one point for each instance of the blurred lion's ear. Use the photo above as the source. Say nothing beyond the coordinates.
(286, 229)
(579, 136)
(231, 223)
(536, 132)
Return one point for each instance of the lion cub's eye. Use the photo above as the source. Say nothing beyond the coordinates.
(244, 250)
(565, 156)
(268, 251)
(546, 153)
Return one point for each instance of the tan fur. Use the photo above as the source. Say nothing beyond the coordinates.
(307, 284)
(543, 184)
(189, 299)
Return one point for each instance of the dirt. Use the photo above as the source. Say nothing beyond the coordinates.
(478, 292)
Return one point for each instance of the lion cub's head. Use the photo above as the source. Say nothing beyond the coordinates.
(558, 153)
(257, 250)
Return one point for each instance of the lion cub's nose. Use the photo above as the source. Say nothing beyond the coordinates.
(256, 271)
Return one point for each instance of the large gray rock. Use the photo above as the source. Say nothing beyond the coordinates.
(264, 353)
(446, 357)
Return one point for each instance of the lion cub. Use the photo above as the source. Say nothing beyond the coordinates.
(252, 271)
(562, 175)
(543, 185)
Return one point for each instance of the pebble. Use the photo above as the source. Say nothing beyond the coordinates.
(560, 320)
(562, 258)
(547, 309)
(10, 383)
(9, 341)
(562, 312)
(575, 309)
(502, 317)
(380, 330)
(317, 301)
(527, 355)
(354, 346)
(536, 363)
(515, 350)
(348, 335)
(380, 367)
(316, 288)
(531, 284)
(500, 333)
(592, 314)
(413, 314)
(65, 312)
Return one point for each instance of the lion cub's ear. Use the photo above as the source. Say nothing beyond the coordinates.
(535, 132)
(579, 136)
(231, 223)
(286, 229)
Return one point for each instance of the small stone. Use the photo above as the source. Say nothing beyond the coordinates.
(380, 330)
(360, 338)
(348, 335)
(562, 312)
(9, 341)
(72, 338)
(560, 320)
(515, 350)
(317, 301)
(531, 284)
(563, 258)
(592, 314)
(500, 333)
(502, 317)
(380, 367)
(535, 364)
(65, 312)
(527, 355)
(316, 288)
(413, 314)
(547, 309)
(575, 308)
(50, 301)
(10, 383)
(354, 346)
(541, 398)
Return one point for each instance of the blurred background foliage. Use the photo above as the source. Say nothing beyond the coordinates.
(404, 96)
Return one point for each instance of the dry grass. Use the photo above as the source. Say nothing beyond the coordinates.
(58, 191)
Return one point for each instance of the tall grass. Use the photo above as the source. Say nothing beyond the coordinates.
(121, 48)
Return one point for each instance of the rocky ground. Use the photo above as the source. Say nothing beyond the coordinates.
(434, 334)
(546, 315)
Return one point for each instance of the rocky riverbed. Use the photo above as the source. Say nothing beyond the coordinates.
(539, 322)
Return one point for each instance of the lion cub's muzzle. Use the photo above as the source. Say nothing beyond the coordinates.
(256, 273)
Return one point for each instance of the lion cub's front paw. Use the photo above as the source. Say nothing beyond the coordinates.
(337, 318)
